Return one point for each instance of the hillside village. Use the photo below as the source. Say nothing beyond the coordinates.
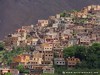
(44, 42)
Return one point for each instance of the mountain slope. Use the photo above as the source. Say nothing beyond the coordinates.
(15, 13)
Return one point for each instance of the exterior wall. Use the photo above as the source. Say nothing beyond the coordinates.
(34, 41)
(48, 56)
(52, 34)
(58, 16)
(48, 70)
(58, 53)
(28, 28)
(43, 22)
(35, 70)
(59, 61)
(21, 59)
(85, 39)
(35, 61)
(70, 43)
(68, 19)
(71, 62)
(13, 71)
(47, 47)
(55, 25)
(48, 40)
(35, 58)
(22, 33)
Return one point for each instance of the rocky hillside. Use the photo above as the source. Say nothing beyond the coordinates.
(15, 13)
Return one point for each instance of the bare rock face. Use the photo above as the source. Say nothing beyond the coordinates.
(15, 13)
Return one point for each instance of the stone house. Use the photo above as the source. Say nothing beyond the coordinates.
(32, 41)
(52, 34)
(43, 23)
(48, 57)
(36, 58)
(72, 61)
(28, 28)
(48, 69)
(72, 42)
(36, 69)
(59, 61)
(22, 59)
(84, 40)
(22, 33)
(47, 47)
(48, 39)
(6, 70)
(58, 52)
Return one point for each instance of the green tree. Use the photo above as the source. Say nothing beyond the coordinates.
(81, 52)
(81, 65)
(77, 51)
(96, 46)
(8, 56)
(8, 73)
(92, 61)
(63, 14)
(89, 56)
(69, 52)
(21, 68)
(1, 46)
(48, 74)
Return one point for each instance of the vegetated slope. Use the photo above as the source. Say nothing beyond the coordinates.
(15, 13)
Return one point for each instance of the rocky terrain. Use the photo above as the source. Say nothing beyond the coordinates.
(15, 13)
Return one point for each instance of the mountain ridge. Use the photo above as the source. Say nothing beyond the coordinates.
(15, 13)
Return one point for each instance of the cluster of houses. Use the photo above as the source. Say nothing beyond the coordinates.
(49, 37)
(3, 71)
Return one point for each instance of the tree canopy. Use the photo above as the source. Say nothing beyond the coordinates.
(8, 73)
(1, 46)
(22, 69)
(89, 56)
(48, 74)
